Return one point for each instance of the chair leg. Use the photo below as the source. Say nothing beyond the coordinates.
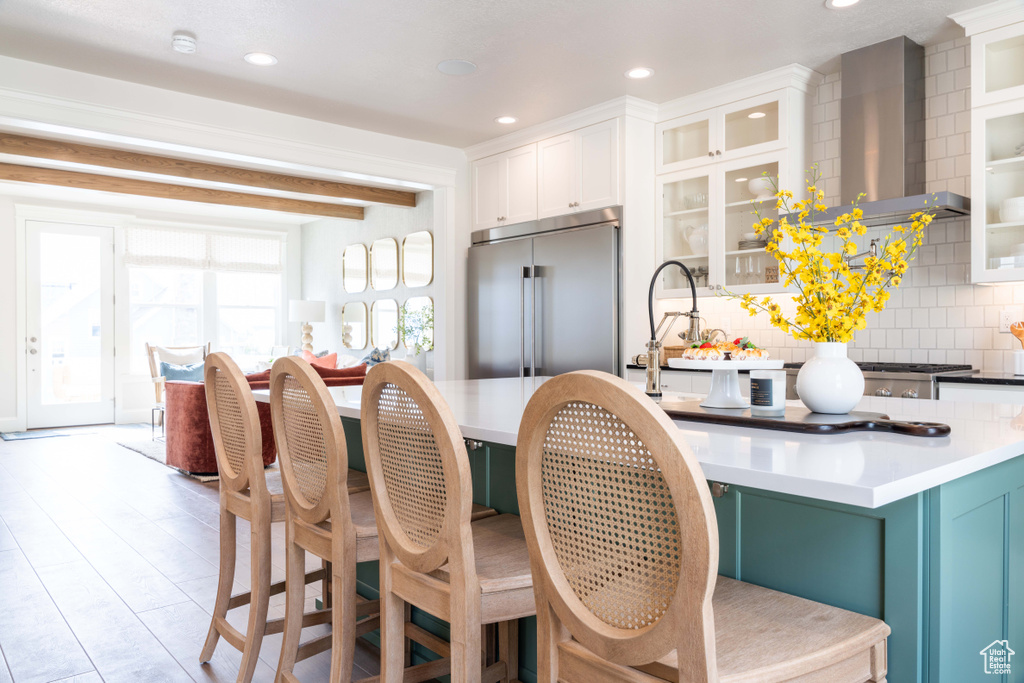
(508, 649)
(466, 648)
(295, 594)
(260, 600)
(392, 633)
(228, 549)
(343, 618)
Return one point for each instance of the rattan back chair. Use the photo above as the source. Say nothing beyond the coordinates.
(433, 554)
(623, 545)
(322, 517)
(245, 493)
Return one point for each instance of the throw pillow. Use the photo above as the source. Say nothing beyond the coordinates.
(328, 361)
(346, 361)
(377, 356)
(186, 373)
(337, 373)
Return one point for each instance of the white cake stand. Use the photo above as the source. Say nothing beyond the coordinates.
(725, 378)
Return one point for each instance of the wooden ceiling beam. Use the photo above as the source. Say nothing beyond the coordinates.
(145, 188)
(59, 150)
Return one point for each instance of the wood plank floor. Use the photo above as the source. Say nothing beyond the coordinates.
(108, 568)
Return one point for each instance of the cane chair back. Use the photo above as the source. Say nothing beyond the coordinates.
(307, 429)
(417, 464)
(619, 521)
(235, 424)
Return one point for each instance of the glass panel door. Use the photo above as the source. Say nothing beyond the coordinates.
(752, 126)
(70, 340)
(1004, 64)
(1004, 192)
(747, 264)
(686, 142)
(686, 230)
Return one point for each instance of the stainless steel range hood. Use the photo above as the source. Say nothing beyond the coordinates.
(882, 136)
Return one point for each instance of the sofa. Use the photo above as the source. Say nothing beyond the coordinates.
(189, 439)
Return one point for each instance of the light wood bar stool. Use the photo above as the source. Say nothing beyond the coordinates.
(433, 555)
(246, 492)
(624, 551)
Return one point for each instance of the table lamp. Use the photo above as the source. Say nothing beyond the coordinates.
(306, 312)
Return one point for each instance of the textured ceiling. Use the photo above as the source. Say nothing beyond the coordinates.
(371, 63)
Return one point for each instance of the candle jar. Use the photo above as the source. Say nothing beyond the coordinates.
(767, 393)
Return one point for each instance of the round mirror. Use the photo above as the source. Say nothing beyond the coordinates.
(353, 268)
(353, 325)
(418, 324)
(418, 259)
(384, 264)
(384, 323)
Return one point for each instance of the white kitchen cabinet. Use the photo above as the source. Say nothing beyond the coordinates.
(505, 188)
(750, 126)
(578, 171)
(997, 154)
(982, 393)
(704, 216)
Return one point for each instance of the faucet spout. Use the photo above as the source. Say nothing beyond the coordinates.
(654, 346)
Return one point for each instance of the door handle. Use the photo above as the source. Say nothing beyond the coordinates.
(534, 274)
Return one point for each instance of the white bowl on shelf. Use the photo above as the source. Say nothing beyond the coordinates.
(1012, 210)
(761, 188)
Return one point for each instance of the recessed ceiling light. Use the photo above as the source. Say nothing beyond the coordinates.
(756, 115)
(506, 119)
(184, 43)
(840, 4)
(261, 58)
(456, 67)
(741, 180)
(640, 72)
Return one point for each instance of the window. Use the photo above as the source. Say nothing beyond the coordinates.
(188, 287)
(247, 315)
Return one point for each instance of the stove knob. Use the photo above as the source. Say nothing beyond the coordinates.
(883, 392)
(910, 393)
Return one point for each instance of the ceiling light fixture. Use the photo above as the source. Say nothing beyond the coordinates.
(741, 180)
(456, 67)
(756, 115)
(261, 58)
(640, 72)
(183, 43)
(506, 119)
(840, 4)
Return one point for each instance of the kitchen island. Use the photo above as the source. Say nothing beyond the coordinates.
(925, 533)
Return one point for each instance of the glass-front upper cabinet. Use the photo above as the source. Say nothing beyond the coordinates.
(998, 206)
(997, 63)
(706, 219)
(750, 126)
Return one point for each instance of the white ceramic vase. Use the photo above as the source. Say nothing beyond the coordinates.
(830, 382)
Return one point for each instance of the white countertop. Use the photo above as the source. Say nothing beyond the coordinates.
(863, 468)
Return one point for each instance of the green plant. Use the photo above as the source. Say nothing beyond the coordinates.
(416, 325)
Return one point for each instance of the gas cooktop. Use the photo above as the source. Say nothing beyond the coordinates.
(918, 368)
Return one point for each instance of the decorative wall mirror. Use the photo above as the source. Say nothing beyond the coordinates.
(354, 264)
(384, 264)
(418, 259)
(419, 323)
(384, 323)
(353, 325)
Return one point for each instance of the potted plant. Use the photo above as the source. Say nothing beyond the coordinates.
(833, 293)
(416, 328)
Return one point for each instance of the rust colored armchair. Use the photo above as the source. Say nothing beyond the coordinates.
(189, 440)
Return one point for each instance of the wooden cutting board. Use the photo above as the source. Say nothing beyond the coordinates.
(799, 419)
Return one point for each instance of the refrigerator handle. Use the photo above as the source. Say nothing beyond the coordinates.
(534, 274)
(524, 273)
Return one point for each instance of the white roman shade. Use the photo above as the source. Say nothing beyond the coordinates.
(203, 250)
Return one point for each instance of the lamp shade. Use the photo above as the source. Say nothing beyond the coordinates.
(301, 311)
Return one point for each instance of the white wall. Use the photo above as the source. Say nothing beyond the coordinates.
(324, 242)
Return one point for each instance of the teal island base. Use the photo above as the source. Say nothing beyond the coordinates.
(944, 567)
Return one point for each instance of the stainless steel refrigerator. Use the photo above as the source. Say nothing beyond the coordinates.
(544, 296)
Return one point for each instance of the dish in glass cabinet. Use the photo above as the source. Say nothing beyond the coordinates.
(1012, 210)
